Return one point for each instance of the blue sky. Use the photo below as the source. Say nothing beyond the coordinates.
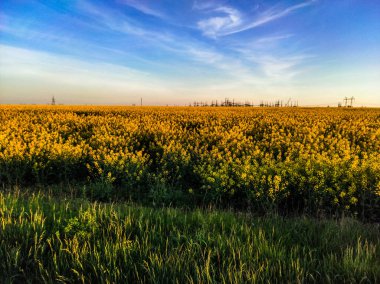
(174, 52)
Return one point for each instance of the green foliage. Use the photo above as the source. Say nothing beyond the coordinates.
(46, 240)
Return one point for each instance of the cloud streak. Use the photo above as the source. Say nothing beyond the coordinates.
(185, 48)
(234, 21)
(229, 20)
(271, 59)
(115, 20)
(53, 74)
(143, 8)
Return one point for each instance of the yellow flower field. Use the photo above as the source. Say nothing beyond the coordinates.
(314, 160)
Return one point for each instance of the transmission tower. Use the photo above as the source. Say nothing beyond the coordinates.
(288, 102)
(351, 100)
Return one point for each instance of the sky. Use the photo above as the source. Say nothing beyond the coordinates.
(171, 52)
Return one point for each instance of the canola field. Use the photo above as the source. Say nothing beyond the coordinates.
(295, 160)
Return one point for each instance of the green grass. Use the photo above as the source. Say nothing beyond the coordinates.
(55, 239)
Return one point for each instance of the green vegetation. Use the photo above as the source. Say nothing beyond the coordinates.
(265, 163)
(50, 239)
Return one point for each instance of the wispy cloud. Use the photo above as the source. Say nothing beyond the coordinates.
(274, 57)
(232, 67)
(272, 39)
(269, 16)
(203, 5)
(104, 16)
(281, 68)
(114, 20)
(57, 74)
(276, 67)
(234, 21)
(144, 8)
(45, 63)
(188, 49)
(105, 19)
(255, 60)
(229, 19)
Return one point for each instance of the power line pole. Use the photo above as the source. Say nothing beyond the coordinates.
(351, 99)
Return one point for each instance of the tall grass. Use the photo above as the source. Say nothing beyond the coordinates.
(49, 239)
